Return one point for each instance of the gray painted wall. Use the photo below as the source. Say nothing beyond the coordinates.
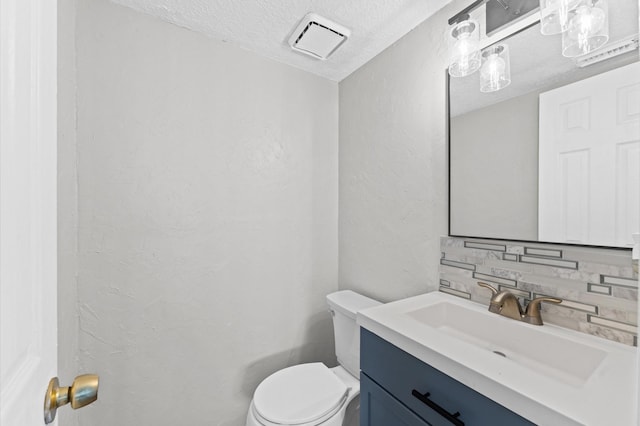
(207, 219)
(393, 165)
(494, 170)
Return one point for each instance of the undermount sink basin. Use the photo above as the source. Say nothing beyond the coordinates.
(525, 344)
(547, 374)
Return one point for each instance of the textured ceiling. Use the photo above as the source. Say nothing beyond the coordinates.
(264, 26)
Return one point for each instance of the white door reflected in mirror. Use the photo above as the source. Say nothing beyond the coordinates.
(589, 163)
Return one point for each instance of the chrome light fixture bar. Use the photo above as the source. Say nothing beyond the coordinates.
(463, 15)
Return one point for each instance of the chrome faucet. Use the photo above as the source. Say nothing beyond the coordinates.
(507, 304)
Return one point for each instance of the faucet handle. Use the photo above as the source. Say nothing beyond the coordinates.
(494, 291)
(535, 302)
(532, 315)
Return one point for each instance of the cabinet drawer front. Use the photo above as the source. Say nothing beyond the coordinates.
(400, 373)
(378, 408)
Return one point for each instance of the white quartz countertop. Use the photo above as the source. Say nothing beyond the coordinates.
(607, 398)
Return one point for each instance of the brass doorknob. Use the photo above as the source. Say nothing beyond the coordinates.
(83, 391)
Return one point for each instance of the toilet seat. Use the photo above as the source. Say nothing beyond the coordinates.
(305, 394)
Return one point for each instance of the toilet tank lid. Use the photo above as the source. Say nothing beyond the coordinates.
(349, 302)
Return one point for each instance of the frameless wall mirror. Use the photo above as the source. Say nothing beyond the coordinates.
(555, 156)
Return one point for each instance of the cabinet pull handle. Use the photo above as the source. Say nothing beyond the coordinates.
(453, 418)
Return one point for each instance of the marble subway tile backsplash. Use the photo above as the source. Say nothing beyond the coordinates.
(599, 286)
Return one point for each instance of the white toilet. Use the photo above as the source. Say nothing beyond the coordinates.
(313, 394)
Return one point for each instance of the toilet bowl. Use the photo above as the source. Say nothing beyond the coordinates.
(314, 394)
(304, 395)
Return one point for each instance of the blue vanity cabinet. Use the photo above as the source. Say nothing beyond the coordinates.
(399, 389)
(379, 408)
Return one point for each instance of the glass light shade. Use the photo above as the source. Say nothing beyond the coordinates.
(495, 73)
(464, 48)
(588, 28)
(554, 15)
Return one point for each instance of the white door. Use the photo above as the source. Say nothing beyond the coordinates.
(589, 173)
(28, 332)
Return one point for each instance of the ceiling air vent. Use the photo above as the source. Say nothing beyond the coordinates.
(621, 47)
(317, 36)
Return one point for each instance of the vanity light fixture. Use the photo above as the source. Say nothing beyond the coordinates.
(554, 15)
(584, 25)
(588, 28)
(495, 73)
(464, 47)
(466, 57)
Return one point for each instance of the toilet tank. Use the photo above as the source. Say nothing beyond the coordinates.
(343, 306)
